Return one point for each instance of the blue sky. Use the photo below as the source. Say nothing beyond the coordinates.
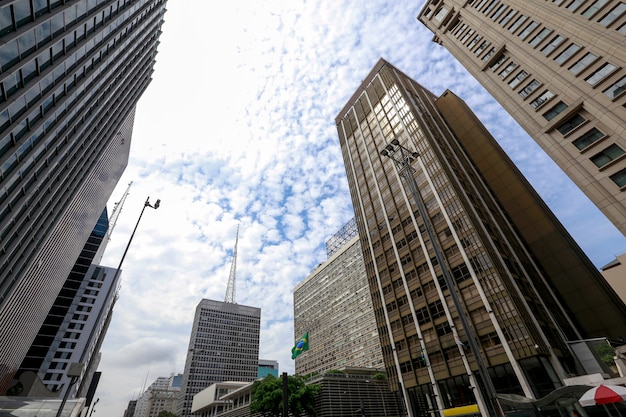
(237, 127)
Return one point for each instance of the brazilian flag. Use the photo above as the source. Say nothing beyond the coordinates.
(301, 346)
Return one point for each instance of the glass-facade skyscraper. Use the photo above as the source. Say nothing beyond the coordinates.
(516, 277)
(71, 73)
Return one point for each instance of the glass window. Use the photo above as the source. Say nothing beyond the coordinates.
(6, 21)
(600, 74)
(29, 71)
(481, 48)
(498, 12)
(26, 43)
(611, 16)
(607, 155)
(43, 60)
(570, 124)
(619, 178)
(594, 7)
(567, 53)
(21, 11)
(540, 36)
(11, 84)
(518, 22)
(507, 70)
(555, 111)
(489, 54)
(57, 24)
(540, 101)
(554, 43)
(9, 55)
(616, 89)
(32, 95)
(17, 108)
(518, 79)
(530, 87)
(622, 29)
(41, 7)
(498, 62)
(583, 63)
(507, 17)
(531, 26)
(43, 33)
(588, 139)
(574, 5)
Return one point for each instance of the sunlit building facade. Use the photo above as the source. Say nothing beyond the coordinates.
(71, 76)
(224, 346)
(334, 306)
(559, 68)
(523, 286)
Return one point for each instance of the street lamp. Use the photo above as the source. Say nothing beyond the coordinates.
(382, 396)
(75, 371)
(403, 159)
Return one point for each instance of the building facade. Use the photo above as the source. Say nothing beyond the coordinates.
(475, 284)
(615, 274)
(224, 346)
(71, 75)
(334, 306)
(161, 395)
(267, 367)
(559, 68)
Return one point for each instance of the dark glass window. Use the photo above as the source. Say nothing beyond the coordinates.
(619, 178)
(588, 138)
(570, 124)
(21, 11)
(6, 21)
(607, 155)
(616, 89)
(555, 111)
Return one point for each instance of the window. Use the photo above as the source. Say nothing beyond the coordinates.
(530, 87)
(619, 178)
(555, 111)
(554, 43)
(582, 63)
(607, 155)
(489, 54)
(574, 5)
(481, 48)
(570, 124)
(518, 22)
(611, 16)
(600, 74)
(540, 36)
(539, 101)
(616, 89)
(507, 17)
(498, 62)
(531, 26)
(567, 53)
(622, 29)
(507, 70)
(518, 79)
(588, 139)
(498, 12)
(594, 7)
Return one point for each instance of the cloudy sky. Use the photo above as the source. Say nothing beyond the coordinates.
(237, 127)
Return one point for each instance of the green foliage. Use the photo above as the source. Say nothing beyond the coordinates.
(166, 414)
(267, 397)
(335, 371)
(379, 375)
(606, 352)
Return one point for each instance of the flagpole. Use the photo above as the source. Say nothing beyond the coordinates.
(285, 395)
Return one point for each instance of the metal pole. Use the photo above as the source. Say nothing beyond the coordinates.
(406, 171)
(285, 395)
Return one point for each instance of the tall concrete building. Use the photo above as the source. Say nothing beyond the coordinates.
(334, 306)
(224, 346)
(71, 74)
(161, 395)
(559, 68)
(476, 286)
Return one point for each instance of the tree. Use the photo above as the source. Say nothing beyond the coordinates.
(166, 414)
(267, 397)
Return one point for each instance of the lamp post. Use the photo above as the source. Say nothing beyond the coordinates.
(382, 396)
(403, 159)
(75, 371)
(146, 204)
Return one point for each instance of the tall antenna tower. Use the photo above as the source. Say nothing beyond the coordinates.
(230, 289)
(117, 209)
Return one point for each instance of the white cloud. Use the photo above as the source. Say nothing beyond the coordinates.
(237, 127)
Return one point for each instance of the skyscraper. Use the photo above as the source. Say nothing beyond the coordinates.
(476, 286)
(559, 68)
(224, 346)
(71, 75)
(334, 306)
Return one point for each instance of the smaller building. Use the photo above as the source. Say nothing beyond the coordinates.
(225, 399)
(615, 274)
(162, 395)
(267, 367)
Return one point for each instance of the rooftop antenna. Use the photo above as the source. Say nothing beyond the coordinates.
(230, 289)
(117, 209)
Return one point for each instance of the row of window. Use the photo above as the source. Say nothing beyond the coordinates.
(590, 137)
(593, 9)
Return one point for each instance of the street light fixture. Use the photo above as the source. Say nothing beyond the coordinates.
(403, 159)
